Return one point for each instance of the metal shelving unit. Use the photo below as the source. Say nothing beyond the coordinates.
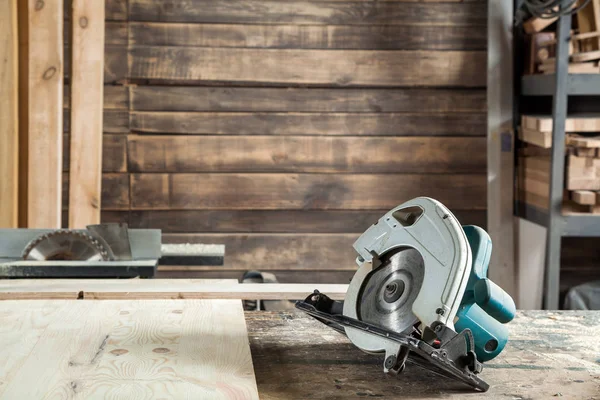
(560, 86)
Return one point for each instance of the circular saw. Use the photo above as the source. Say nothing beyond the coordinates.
(421, 294)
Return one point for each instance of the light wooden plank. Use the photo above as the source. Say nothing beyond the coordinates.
(301, 123)
(303, 67)
(87, 84)
(305, 154)
(575, 123)
(136, 349)
(301, 191)
(536, 24)
(45, 94)
(130, 289)
(9, 120)
(542, 139)
(115, 191)
(584, 197)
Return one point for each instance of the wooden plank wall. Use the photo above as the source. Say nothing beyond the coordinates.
(283, 129)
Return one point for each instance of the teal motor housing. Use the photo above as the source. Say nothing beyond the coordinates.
(485, 307)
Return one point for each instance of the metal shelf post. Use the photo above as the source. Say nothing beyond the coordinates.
(555, 222)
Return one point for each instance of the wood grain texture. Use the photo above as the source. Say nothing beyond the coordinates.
(340, 100)
(308, 12)
(9, 117)
(114, 153)
(305, 154)
(300, 191)
(547, 357)
(575, 123)
(113, 121)
(155, 289)
(87, 84)
(283, 276)
(115, 191)
(305, 67)
(45, 120)
(115, 97)
(378, 124)
(278, 251)
(387, 37)
(133, 350)
(267, 221)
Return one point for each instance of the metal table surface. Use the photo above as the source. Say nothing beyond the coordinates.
(549, 354)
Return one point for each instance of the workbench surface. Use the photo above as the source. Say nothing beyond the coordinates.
(549, 354)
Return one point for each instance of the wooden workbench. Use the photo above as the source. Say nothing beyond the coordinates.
(549, 354)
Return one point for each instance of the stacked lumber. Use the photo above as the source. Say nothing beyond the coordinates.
(584, 43)
(582, 163)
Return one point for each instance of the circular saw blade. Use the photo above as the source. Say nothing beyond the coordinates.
(388, 292)
(65, 245)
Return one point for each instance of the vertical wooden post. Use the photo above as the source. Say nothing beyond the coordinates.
(9, 127)
(87, 93)
(45, 116)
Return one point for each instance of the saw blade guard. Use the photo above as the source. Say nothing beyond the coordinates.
(427, 226)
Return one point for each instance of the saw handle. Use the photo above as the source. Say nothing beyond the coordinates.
(494, 300)
(485, 307)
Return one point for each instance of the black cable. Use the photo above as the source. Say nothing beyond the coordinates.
(552, 8)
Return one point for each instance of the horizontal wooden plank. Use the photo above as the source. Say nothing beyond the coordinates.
(107, 216)
(304, 67)
(302, 191)
(114, 153)
(388, 37)
(190, 98)
(279, 251)
(115, 191)
(574, 123)
(308, 12)
(283, 276)
(113, 121)
(130, 289)
(306, 154)
(266, 221)
(115, 97)
(378, 124)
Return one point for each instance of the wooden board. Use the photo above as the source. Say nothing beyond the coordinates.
(583, 141)
(584, 197)
(350, 37)
(305, 67)
(155, 289)
(548, 356)
(300, 191)
(308, 12)
(536, 24)
(268, 221)
(241, 123)
(114, 153)
(315, 100)
(579, 123)
(9, 119)
(304, 154)
(45, 117)
(103, 349)
(87, 84)
(542, 139)
(115, 191)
